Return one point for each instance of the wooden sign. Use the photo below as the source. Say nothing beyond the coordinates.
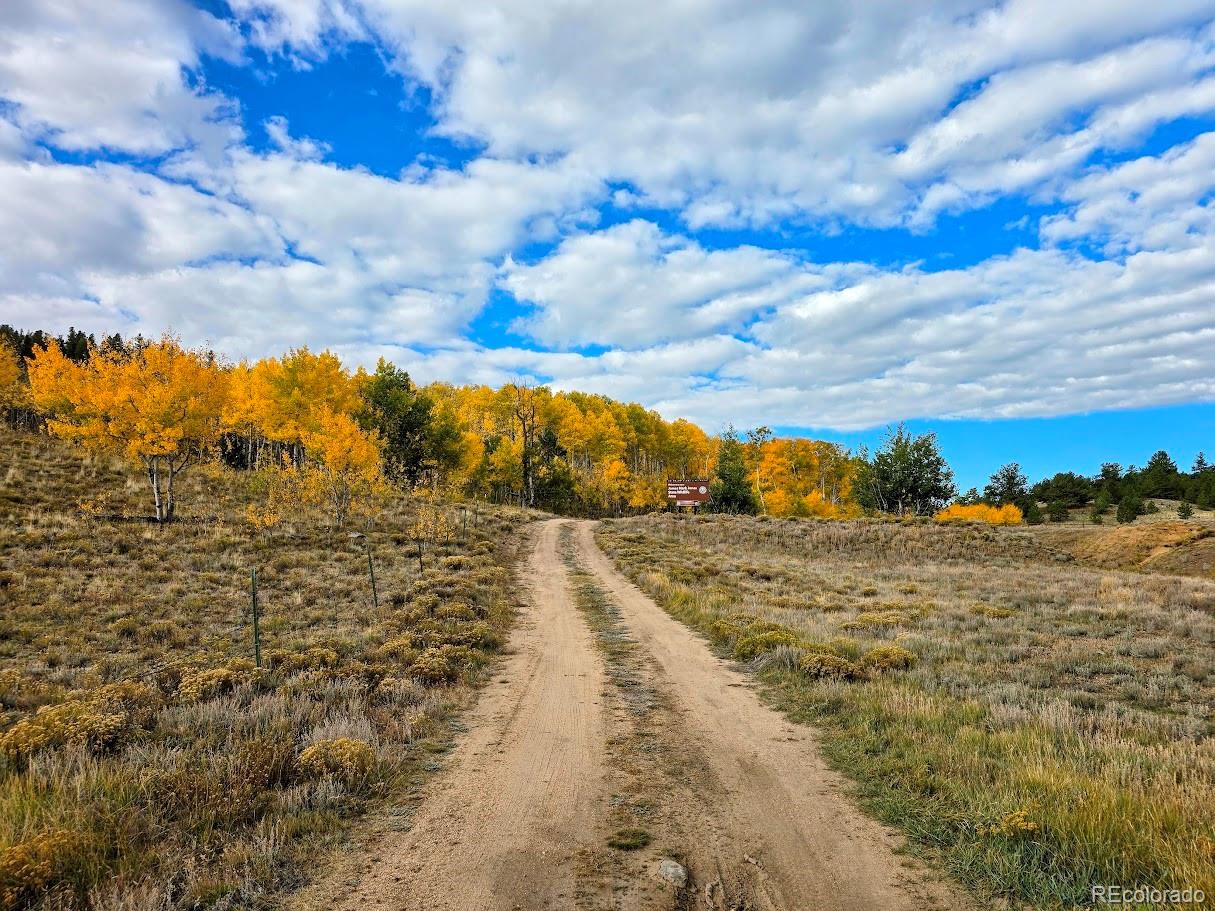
(688, 491)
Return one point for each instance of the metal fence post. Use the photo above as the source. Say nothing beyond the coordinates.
(375, 597)
(257, 622)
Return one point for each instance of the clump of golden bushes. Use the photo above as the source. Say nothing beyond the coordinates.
(103, 720)
(29, 867)
(1008, 514)
(748, 638)
(346, 758)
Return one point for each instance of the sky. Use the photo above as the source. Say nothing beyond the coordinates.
(992, 221)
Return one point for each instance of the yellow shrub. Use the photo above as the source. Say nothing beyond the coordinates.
(456, 610)
(398, 648)
(68, 722)
(1014, 825)
(310, 660)
(826, 665)
(212, 682)
(341, 757)
(461, 656)
(432, 667)
(878, 619)
(888, 658)
(725, 631)
(31, 866)
(103, 720)
(750, 646)
(981, 512)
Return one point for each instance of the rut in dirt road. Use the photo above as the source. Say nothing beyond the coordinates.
(610, 715)
(780, 807)
(501, 827)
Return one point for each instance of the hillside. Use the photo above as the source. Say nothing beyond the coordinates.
(1161, 544)
(143, 756)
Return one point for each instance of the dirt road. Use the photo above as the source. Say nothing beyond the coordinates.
(812, 847)
(523, 791)
(637, 721)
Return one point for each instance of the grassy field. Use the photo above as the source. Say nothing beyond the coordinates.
(144, 759)
(1038, 726)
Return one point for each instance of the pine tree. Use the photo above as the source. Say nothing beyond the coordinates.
(1057, 510)
(1102, 503)
(1007, 485)
(1130, 508)
(730, 491)
(400, 414)
(906, 475)
(1185, 510)
(1033, 514)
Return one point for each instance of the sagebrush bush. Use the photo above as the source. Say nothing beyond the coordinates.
(102, 721)
(888, 658)
(751, 645)
(432, 667)
(312, 659)
(343, 757)
(211, 682)
(826, 665)
(878, 620)
(27, 868)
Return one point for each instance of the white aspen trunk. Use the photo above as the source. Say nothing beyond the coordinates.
(154, 480)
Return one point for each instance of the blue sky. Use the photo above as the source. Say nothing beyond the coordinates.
(993, 221)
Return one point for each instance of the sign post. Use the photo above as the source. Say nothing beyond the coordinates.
(688, 491)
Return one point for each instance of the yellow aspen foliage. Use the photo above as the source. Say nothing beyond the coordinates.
(13, 392)
(1008, 514)
(799, 477)
(341, 475)
(291, 395)
(431, 522)
(159, 405)
(243, 410)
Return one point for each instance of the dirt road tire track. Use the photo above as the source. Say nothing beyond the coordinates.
(501, 826)
(518, 820)
(814, 848)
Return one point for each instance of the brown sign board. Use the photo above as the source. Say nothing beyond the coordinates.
(688, 491)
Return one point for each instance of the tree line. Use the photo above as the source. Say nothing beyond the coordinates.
(315, 432)
(1128, 493)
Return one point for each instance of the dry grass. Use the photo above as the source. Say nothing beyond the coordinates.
(146, 762)
(1042, 727)
(1151, 543)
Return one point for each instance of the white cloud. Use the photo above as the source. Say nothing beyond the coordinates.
(1157, 203)
(60, 223)
(1036, 332)
(736, 112)
(724, 113)
(409, 260)
(113, 75)
(630, 285)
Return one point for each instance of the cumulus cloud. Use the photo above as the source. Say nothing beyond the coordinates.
(1154, 202)
(630, 285)
(133, 201)
(752, 113)
(115, 75)
(61, 223)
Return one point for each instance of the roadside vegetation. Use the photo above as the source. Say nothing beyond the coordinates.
(1036, 725)
(145, 760)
